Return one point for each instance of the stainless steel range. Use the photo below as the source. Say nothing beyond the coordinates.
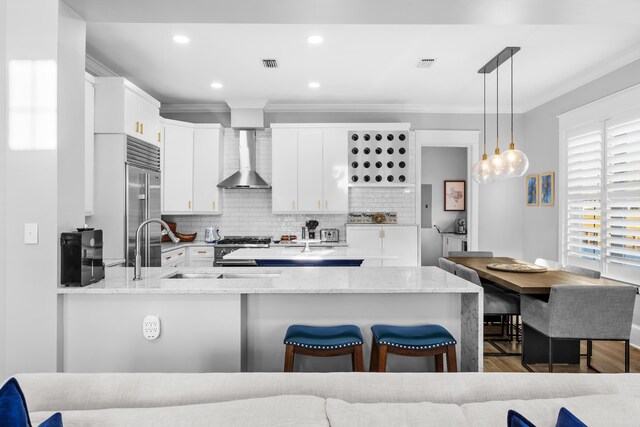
(233, 243)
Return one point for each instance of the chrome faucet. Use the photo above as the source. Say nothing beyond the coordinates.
(137, 266)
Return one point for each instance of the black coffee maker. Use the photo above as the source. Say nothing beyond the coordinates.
(81, 257)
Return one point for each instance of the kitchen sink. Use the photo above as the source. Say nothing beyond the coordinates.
(222, 276)
(194, 276)
(248, 275)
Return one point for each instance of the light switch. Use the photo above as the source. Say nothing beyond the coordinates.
(31, 234)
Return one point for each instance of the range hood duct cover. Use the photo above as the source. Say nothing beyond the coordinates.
(246, 177)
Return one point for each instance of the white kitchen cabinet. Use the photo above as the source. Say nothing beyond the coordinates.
(200, 256)
(89, 144)
(368, 241)
(122, 107)
(284, 178)
(174, 258)
(453, 242)
(207, 170)
(177, 172)
(387, 240)
(309, 173)
(192, 156)
(335, 167)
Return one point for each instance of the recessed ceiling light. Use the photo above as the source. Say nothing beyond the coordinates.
(315, 39)
(216, 85)
(181, 39)
(314, 85)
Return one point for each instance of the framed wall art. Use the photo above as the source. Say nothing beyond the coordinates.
(547, 189)
(455, 197)
(533, 182)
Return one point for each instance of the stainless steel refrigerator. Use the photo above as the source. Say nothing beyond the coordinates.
(143, 188)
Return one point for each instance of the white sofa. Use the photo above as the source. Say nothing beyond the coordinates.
(330, 399)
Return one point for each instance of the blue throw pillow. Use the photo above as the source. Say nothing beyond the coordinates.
(515, 419)
(567, 419)
(13, 408)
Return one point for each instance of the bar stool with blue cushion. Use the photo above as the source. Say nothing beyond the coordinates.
(323, 341)
(416, 341)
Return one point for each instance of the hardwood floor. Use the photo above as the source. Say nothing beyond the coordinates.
(608, 356)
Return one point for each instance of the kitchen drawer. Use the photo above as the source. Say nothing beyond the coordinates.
(200, 262)
(175, 256)
(178, 263)
(201, 252)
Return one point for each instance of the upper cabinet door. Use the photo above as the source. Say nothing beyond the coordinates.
(335, 169)
(284, 175)
(131, 114)
(206, 160)
(149, 117)
(310, 176)
(402, 242)
(177, 173)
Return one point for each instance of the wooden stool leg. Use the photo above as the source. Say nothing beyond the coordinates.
(357, 361)
(288, 358)
(439, 363)
(452, 363)
(382, 358)
(373, 361)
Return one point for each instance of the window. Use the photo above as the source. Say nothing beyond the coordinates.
(600, 186)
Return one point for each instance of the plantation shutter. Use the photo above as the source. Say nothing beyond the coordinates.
(623, 194)
(584, 194)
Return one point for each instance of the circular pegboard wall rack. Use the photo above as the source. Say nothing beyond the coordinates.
(379, 158)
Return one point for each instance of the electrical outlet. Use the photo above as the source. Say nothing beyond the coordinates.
(151, 327)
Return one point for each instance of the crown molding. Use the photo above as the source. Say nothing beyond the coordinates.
(620, 61)
(97, 68)
(331, 108)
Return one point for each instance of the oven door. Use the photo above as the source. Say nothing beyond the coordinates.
(218, 261)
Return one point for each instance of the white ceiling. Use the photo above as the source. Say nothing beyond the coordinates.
(359, 64)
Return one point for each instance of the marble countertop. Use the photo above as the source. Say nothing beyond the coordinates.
(294, 244)
(289, 280)
(169, 246)
(295, 253)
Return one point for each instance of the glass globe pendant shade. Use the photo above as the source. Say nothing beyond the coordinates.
(498, 165)
(517, 163)
(482, 173)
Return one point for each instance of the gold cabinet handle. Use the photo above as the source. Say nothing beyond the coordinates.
(142, 128)
(167, 258)
(213, 204)
(293, 204)
(137, 127)
(318, 204)
(189, 204)
(202, 252)
(180, 253)
(158, 136)
(326, 204)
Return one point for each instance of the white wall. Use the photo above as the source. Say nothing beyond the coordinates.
(3, 181)
(440, 164)
(43, 186)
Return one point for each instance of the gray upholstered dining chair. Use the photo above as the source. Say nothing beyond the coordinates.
(582, 271)
(582, 312)
(471, 254)
(446, 265)
(548, 263)
(501, 304)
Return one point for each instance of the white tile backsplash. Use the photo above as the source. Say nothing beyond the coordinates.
(248, 212)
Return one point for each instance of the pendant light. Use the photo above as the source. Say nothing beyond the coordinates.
(497, 161)
(516, 161)
(482, 172)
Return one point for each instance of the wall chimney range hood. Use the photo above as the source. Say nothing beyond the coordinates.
(246, 116)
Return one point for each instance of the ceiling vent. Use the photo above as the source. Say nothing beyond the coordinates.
(425, 63)
(270, 63)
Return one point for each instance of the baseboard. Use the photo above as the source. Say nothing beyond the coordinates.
(635, 335)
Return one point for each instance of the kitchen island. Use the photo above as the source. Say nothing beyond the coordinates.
(234, 319)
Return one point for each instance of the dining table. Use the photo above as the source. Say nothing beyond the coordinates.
(535, 345)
